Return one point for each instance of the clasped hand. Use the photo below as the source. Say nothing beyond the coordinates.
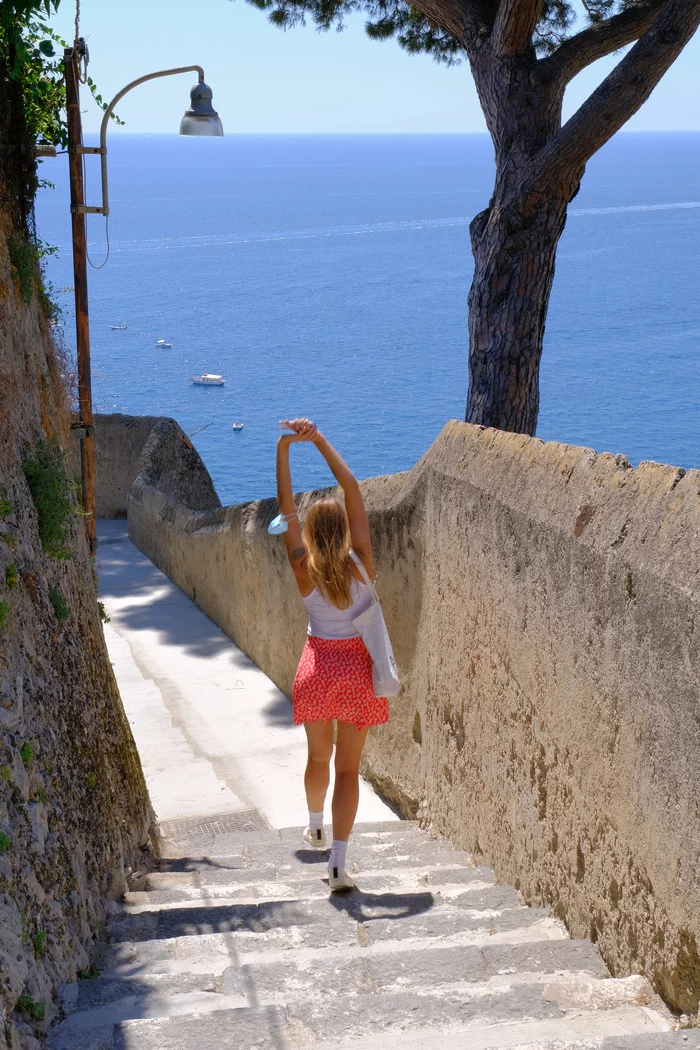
(303, 429)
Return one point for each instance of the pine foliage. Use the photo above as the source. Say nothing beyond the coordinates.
(417, 33)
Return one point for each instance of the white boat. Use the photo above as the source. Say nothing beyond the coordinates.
(208, 379)
(162, 345)
(237, 426)
(118, 327)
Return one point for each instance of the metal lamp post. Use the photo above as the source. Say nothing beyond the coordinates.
(200, 119)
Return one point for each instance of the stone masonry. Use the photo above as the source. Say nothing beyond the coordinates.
(234, 942)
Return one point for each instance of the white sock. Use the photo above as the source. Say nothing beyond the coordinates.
(337, 857)
(316, 821)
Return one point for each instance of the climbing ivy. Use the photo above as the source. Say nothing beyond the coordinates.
(27, 1005)
(32, 97)
(60, 605)
(54, 493)
(32, 100)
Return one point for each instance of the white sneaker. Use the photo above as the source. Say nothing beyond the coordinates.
(316, 838)
(339, 880)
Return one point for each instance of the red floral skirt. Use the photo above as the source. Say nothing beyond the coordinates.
(334, 680)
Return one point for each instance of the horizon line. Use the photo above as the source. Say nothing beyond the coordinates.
(397, 134)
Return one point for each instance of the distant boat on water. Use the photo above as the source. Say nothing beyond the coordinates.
(237, 426)
(208, 379)
(162, 345)
(119, 327)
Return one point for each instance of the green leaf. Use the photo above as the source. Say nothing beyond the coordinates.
(46, 48)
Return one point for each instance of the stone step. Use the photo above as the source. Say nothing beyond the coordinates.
(392, 915)
(311, 875)
(626, 1028)
(397, 837)
(213, 951)
(259, 884)
(235, 843)
(275, 977)
(382, 831)
(468, 1016)
(208, 859)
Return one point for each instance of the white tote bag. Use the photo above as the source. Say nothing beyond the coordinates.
(371, 626)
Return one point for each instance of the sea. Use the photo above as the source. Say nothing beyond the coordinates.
(327, 276)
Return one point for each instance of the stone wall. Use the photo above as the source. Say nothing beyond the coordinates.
(74, 810)
(119, 446)
(544, 603)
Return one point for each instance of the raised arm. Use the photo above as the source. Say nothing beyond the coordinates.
(354, 504)
(293, 542)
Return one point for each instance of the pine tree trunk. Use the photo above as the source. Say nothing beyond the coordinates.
(513, 273)
(514, 243)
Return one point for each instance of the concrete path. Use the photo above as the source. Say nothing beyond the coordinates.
(215, 735)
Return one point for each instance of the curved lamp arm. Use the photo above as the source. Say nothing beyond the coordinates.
(110, 109)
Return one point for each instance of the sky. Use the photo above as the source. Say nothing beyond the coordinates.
(302, 81)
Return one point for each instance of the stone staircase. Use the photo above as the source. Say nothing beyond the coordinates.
(243, 948)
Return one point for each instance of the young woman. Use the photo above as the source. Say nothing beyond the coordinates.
(333, 683)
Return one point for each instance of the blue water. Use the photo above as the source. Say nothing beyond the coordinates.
(327, 276)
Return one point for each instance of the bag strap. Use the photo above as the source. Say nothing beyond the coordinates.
(365, 575)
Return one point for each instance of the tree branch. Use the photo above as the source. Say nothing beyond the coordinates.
(515, 23)
(621, 93)
(467, 20)
(603, 39)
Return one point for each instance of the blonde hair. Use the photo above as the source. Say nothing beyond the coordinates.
(327, 537)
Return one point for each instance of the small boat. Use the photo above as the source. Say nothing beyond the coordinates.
(162, 345)
(119, 327)
(237, 426)
(208, 379)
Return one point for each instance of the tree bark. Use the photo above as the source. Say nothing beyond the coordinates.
(508, 301)
(514, 242)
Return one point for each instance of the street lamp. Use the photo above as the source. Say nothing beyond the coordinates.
(200, 119)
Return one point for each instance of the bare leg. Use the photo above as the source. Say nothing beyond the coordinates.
(346, 794)
(319, 737)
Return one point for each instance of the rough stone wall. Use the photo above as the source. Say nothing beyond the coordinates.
(119, 446)
(119, 441)
(544, 604)
(74, 810)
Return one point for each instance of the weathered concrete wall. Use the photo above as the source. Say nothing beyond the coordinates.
(119, 445)
(74, 810)
(119, 441)
(544, 602)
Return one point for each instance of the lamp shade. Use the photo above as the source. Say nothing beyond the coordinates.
(201, 118)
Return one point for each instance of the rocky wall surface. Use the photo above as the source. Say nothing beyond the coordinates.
(120, 441)
(74, 809)
(544, 604)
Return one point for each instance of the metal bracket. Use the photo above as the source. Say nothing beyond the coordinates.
(86, 209)
(83, 430)
(88, 149)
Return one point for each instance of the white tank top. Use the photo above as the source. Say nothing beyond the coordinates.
(327, 621)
